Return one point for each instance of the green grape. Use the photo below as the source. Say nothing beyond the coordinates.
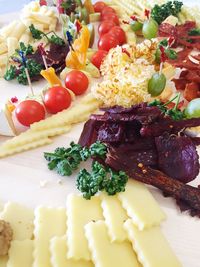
(150, 29)
(136, 25)
(156, 84)
(157, 55)
(193, 109)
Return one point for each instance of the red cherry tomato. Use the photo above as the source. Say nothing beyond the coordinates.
(98, 57)
(77, 82)
(29, 111)
(57, 99)
(107, 41)
(105, 27)
(119, 33)
(107, 9)
(99, 6)
(111, 17)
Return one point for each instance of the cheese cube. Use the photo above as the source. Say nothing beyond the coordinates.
(58, 248)
(80, 212)
(49, 222)
(105, 253)
(115, 216)
(20, 219)
(151, 246)
(21, 254)
(3, 261)
(140, 205)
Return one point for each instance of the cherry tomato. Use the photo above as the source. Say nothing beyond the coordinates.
(98, 58)
(119, 33)
(29, 111)
(99, 6)
(110, 17)
(105, 27)
(107, 9)
(77, 82)
(107, 41)
(56, 99)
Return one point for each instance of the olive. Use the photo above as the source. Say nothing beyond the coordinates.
(157, 84)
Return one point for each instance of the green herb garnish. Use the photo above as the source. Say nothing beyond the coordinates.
(194, 32)
(174, 113)
(10, 73)
(160, 13)
(28, 50)
(66, 160)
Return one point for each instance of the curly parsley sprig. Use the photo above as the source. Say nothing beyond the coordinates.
(101, 178)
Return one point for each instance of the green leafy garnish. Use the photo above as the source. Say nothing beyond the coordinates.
(37, 34)
(194, 32)
(160, 13)
(10, 73)
(34, 69)
(170, 53)
(174, 113)
(28, 50)
(101, 178)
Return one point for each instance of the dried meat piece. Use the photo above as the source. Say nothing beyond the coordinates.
(191, 91)
(177, 157)
(180, 83)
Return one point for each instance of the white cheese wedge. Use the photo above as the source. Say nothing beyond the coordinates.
(20, 219)
(151, 246)
(49, 222)
(7, 127)
(21, 254)
(172, 20)
(115, 216)
(80, 212)
(3, 261)
(58, 248)
(140, 205)
(107, 254)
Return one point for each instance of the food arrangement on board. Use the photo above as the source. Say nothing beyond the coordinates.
(129, 72)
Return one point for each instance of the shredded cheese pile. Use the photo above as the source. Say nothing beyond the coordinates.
(126, 75)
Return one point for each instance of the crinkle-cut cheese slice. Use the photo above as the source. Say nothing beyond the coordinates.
(77, 113)
(31, 136)
(4, 151)
(3, 261)
(21, 220)
(115, 216)
(140, 205)
(80, 212)
(49, 222)
(107, 254)
(151, 246)
(58, 248)
(21, 254)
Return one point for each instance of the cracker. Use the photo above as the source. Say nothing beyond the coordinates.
(151, 246)
(21, 220)
(58, 248)
(49, 222)
(20, 254)
(107, 254)
(140, 205)
(115, 216)
(79, 212)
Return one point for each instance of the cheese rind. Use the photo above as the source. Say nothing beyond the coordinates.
(21, 220)
(21, 254)
(105, 253)
(80, 212)
(49, 222)
(140, 205)
(115, 216)
(58, 248)
(151, 246)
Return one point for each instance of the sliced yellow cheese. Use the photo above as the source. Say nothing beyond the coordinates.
(151, 246)
(18, 30)
(3, 48)
(21, 220)
(80, 212)
(21, 254)
(115, 216)
(12, 44)
(107, 254)
(140, 205)
(49, 222)
(3, 261)
(58, 248)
